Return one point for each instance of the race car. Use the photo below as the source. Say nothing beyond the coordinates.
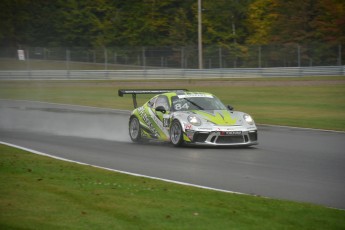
(182, 117)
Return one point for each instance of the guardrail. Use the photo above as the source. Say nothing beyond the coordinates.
(171, 73)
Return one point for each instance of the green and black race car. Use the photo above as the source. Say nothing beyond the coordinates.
(183, 117)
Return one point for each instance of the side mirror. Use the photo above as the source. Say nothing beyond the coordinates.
(230, 107)
(161, 109)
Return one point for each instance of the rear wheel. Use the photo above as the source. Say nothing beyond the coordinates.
(176, 133)
(134, 129)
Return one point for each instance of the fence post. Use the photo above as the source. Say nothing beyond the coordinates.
(105, 58)
(144, 58)
(67, 61)
(220, 58)
(259, 56)
(44, 53)
(182, 57)
(339, 55)
(28, 67)
(299, 55)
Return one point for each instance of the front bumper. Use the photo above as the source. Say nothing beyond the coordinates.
(223, 138)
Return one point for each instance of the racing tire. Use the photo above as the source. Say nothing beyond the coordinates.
(176, 134)
(134, 129)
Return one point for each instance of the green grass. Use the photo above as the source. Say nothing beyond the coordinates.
(317, 103)
(43, 193)
(305, 106)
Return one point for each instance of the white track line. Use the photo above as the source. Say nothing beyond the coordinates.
(119, 171)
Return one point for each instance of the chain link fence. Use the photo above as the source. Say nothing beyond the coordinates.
(133, 58)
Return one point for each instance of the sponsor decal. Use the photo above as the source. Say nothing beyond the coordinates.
(194, 95)
(158, 122)
(204, 129)
(188, 126)
(190, 135)
(231, 133)
(166, 122)
(143, 115)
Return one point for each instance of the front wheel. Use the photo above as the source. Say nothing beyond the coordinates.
(176, 133)
(134, 129)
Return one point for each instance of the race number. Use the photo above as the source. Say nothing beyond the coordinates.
(181, 106)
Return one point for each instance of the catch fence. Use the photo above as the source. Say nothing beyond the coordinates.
(134, 58)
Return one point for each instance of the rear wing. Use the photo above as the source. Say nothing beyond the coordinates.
(134, 92)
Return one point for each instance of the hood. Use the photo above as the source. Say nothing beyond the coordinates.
(218, 117)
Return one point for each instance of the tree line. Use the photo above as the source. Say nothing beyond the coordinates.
(226, 23)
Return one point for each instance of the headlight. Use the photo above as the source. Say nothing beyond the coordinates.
(248, 119)
(194, 120)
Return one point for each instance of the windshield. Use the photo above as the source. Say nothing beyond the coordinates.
(182, 103)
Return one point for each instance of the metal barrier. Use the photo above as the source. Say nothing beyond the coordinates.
(172, 73)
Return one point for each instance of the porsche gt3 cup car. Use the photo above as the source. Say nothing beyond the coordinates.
(183, 117)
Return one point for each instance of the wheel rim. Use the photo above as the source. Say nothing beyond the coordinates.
(176, 133)
(134, 128)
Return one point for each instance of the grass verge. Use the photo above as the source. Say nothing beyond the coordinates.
(314, 102)
(43, 193)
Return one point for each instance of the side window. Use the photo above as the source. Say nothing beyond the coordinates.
(151, 102)
(162, 101)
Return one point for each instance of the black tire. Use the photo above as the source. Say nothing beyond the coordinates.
(134, 129)
(176, 134)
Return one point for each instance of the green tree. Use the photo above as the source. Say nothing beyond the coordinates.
(260, 21)
(14, 18)
(151, 22)
(224, 21)
(182, 29)
(329, 22)
(294, 21)
(81, 23)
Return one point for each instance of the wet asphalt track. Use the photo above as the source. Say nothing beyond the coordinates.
(292, 164)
